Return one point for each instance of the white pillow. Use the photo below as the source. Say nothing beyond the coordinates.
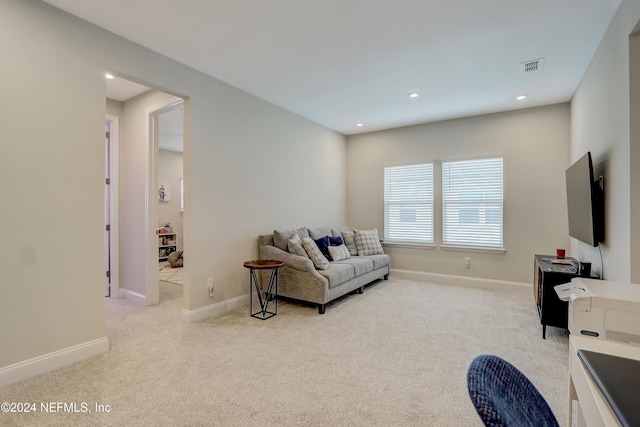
(319, 260)
(339, 253)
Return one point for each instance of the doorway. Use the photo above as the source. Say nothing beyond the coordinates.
(158, 196)
(140, 114)
(168, 135)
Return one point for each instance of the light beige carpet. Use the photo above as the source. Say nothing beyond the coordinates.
(396, 355)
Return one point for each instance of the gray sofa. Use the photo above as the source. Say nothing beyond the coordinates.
(301, 280)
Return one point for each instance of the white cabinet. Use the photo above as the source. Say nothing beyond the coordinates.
(167, 243)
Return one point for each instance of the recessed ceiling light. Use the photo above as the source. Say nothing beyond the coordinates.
(359, 124)
(521, 97)
(109, 76)
(413, 94)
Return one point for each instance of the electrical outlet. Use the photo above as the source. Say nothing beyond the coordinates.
(467, 262)
(210, 286)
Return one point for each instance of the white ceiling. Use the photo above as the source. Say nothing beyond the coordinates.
(339, 62)
(121, 89)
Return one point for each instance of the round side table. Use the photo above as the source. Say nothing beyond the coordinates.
(270, 293)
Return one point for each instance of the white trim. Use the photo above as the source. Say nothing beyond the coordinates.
(152, 288)
(448, 279)
(133, 296)
(473, 249)
(389, 243)
(51, 361)
(217, 309)
(114, 191)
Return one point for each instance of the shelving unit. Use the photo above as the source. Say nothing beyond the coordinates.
(167, 243)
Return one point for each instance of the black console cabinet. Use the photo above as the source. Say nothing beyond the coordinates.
(552, 311)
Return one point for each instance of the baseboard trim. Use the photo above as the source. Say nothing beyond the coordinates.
(448, 279)
(216, 309)
(133, 296)
(52, 361)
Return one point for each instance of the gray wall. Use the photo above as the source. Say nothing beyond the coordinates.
(601, 123)
(535, 146)
(250, 168)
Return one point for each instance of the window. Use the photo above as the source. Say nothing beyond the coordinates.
(408, 203)
(472, 195)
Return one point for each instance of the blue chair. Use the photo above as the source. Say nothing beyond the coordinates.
(504, 396)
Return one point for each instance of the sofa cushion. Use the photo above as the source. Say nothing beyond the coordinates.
(281, 237)
(318, 232)
(360, 265)
(368, 242)
(295, 246)
(339, 230)
(339, 253)
(323, 245)
(379, 260)
(319, 260)
(338, 273)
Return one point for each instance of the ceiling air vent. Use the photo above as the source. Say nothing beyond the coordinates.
(533, 65)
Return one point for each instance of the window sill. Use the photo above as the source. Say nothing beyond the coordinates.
(472, 249)
(409, 245)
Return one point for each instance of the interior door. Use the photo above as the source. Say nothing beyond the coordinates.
(107, 210)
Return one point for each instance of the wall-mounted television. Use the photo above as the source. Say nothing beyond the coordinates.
(585, 202)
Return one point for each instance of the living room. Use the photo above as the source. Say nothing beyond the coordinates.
(238, 145)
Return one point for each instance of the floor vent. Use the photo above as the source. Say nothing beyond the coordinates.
(533, 65)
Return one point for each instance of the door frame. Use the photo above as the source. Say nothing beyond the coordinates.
(152, 285)
(113, 253)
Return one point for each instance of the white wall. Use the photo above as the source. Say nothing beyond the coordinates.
(250, 168)
(600, 123)
(535, 146)
(169, 173)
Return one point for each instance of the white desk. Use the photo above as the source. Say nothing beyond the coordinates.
(593, 408)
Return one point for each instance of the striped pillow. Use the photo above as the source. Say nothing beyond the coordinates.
(295, 246)
(319, 260)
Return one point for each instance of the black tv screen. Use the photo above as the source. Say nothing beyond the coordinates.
(585, 202)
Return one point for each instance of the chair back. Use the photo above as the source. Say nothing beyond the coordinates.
(504, 397)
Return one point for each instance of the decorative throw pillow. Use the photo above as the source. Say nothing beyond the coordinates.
(339, 253)
(295, 246)
(323, 245)
(350, 242)
(319, 260)
(367, 242)
(175, 259)
(281, 237)
(335, 241)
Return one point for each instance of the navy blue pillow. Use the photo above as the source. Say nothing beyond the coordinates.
(335, 241)
(323, 245)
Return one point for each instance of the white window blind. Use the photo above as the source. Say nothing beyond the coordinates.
(472, 195)
(408, 203)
